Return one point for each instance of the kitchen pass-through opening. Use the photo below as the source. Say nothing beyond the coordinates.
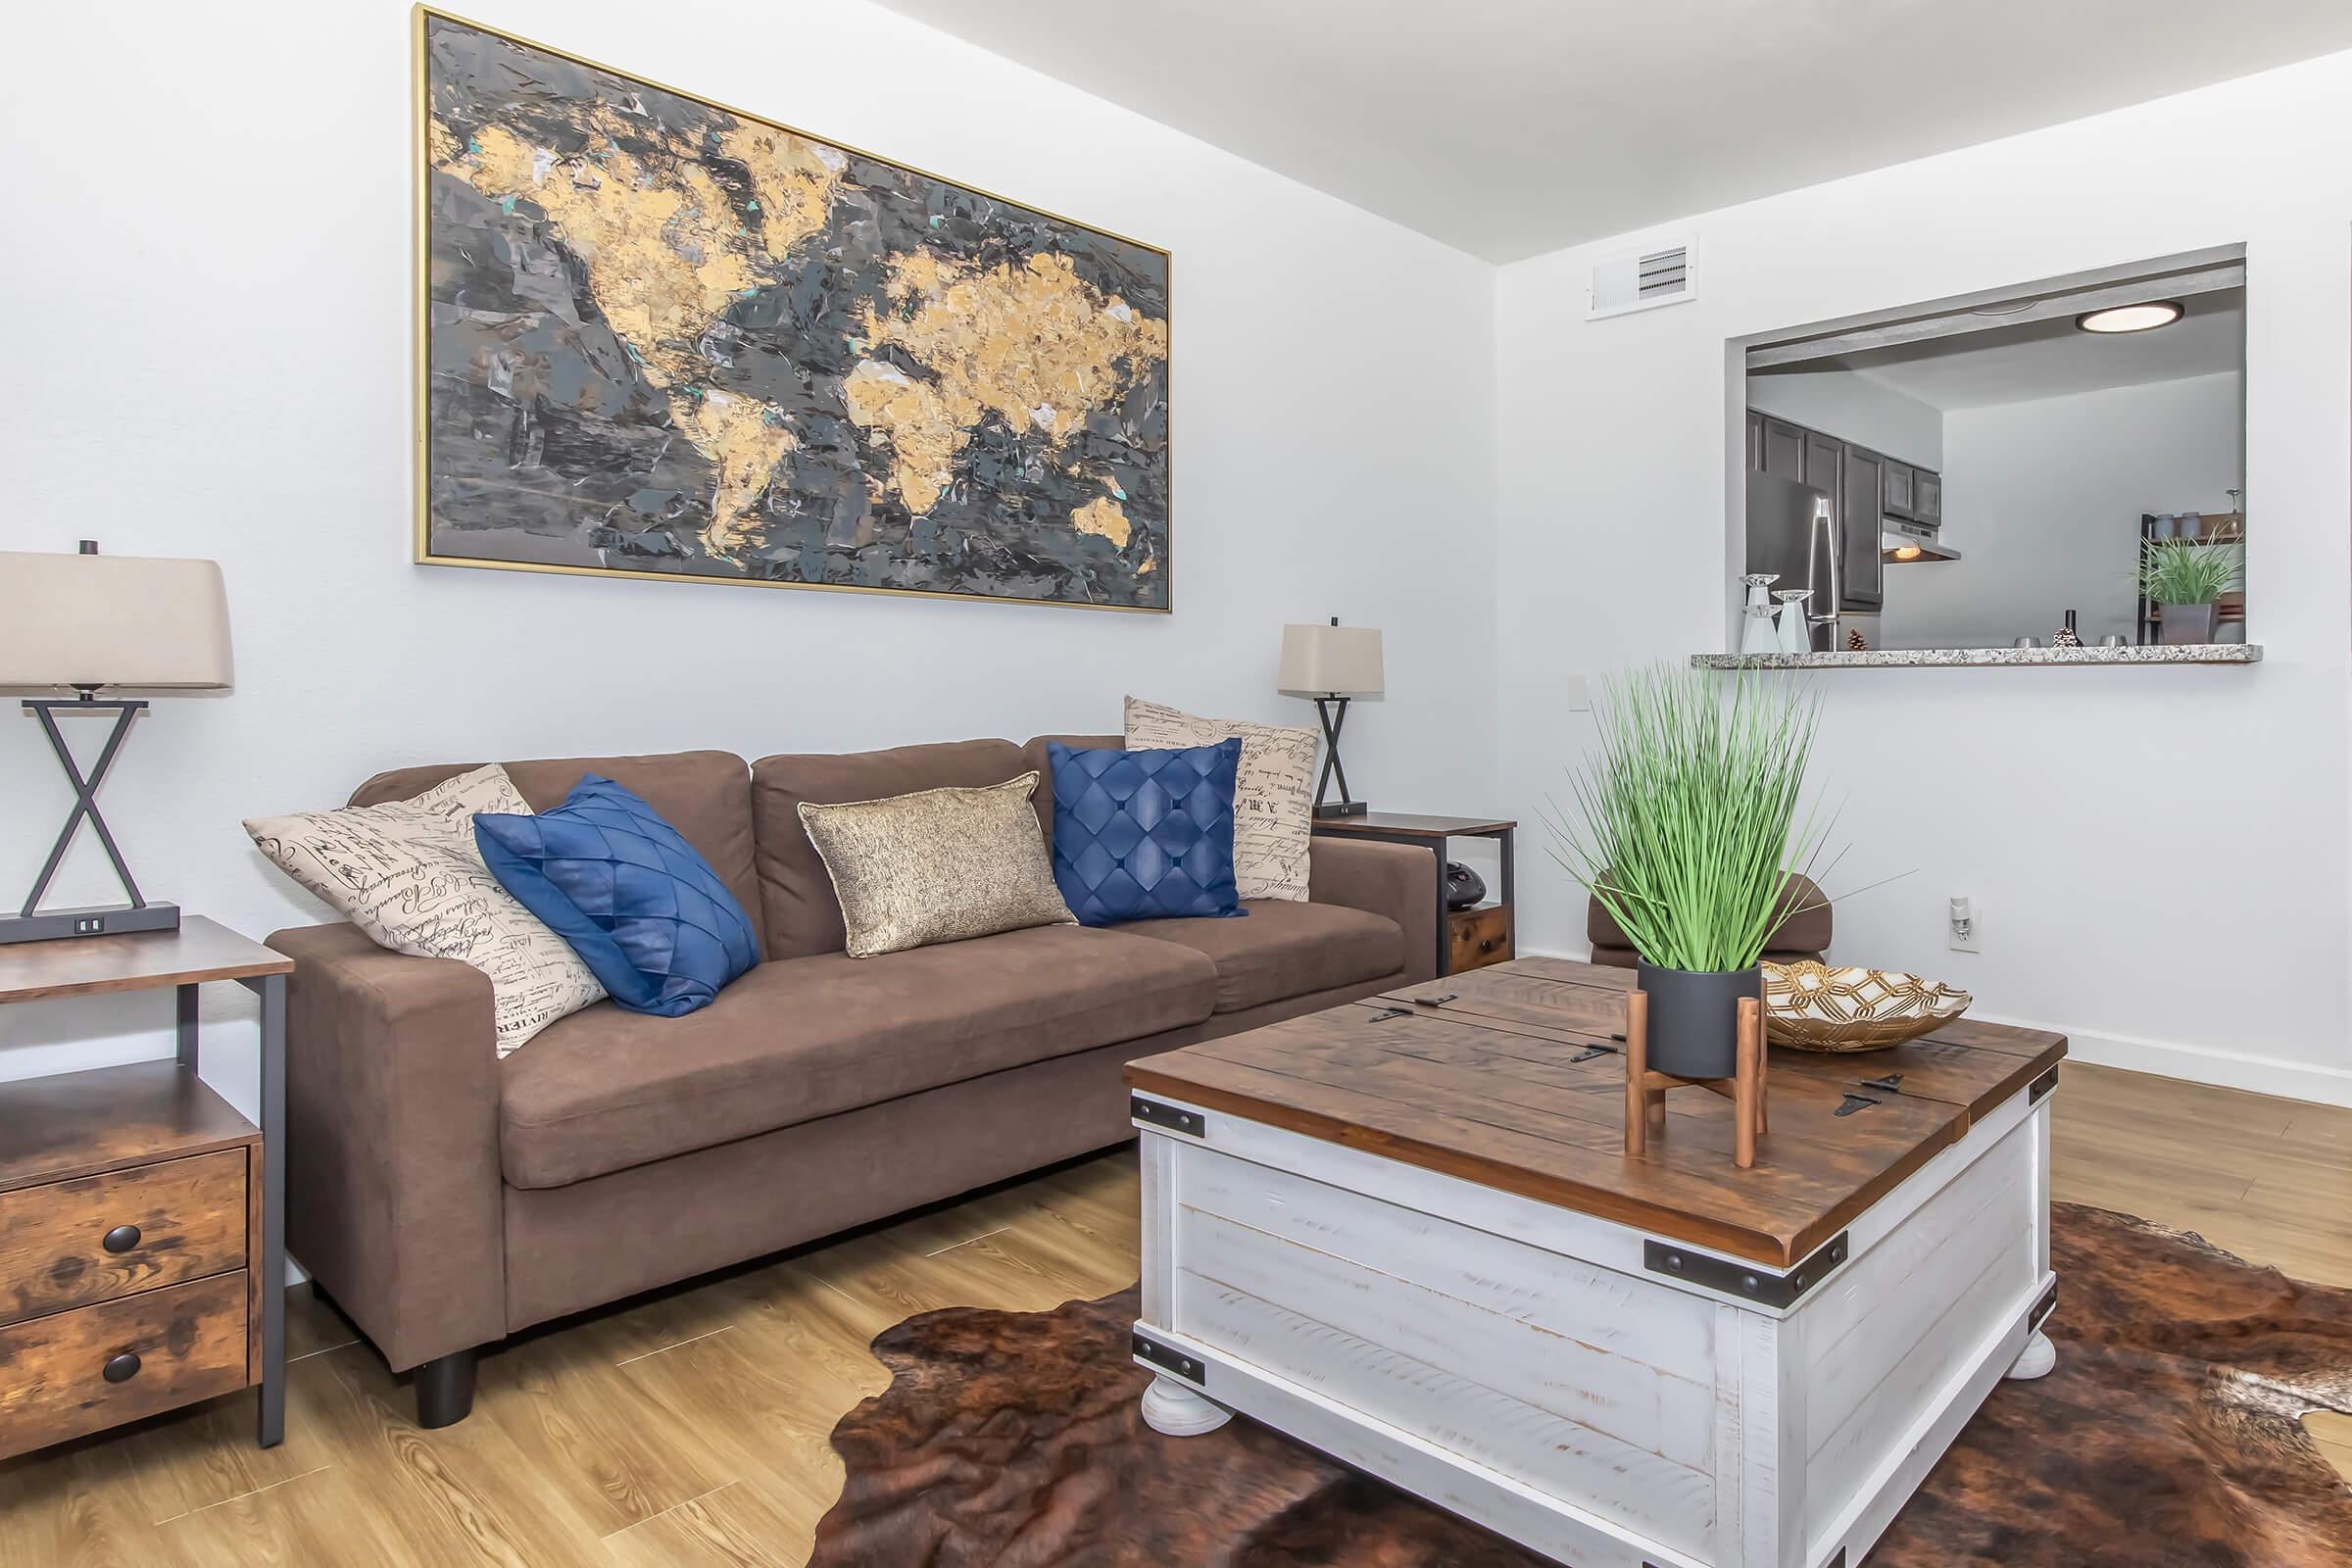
(2039, 466)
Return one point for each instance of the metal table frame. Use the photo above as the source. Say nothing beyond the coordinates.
(1436, 842)
(271, 989)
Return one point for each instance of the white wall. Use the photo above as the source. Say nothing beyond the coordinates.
(2044, 500)
(214, 360)
(1855, 407)
(2159, 854)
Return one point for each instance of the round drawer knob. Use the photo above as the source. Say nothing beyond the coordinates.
(123, 1368)
(121, 1239)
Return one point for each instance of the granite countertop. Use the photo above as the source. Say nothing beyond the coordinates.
(1949, 658)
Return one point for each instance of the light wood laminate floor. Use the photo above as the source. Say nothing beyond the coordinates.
(691, 1427)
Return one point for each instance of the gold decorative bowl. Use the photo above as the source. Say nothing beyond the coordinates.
(1814, 1008)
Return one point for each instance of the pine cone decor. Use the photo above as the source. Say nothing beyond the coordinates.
(2067, 636)
(1853, 641)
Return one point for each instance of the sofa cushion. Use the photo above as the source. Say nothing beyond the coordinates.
(802, 914)
(942, 864)
(637, 902)
(706, 796)
(407, 874)
(1284, 949)
(1145, 835)
(797, 1039)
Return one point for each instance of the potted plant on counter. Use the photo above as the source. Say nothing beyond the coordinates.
(2188, 578)
(1685, 826)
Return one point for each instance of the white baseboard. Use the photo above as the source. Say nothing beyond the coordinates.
(2203, 1064)
(2170, 1058)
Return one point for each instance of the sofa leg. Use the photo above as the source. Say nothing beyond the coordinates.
(445, 1390)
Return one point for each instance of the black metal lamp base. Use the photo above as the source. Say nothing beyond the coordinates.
(1333, 711)
(94, 920)
(32, 923)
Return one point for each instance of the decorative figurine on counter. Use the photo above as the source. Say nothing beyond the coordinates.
(1797, 637)
(2067, 636)
(1854, 643)
(1758, 635)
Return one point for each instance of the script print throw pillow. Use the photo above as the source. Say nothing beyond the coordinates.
(407, 872)
(1273, 794)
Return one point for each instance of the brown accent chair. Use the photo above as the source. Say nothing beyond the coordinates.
(444, 1197)
(1805, 934)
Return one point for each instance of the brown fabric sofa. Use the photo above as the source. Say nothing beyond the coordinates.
(1805, 926)
(444, 1197)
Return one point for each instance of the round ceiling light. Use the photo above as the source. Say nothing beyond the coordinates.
(2131, 318)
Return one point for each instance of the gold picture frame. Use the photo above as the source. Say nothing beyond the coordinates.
(1158, 558)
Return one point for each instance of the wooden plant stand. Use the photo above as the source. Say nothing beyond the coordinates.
(1645, 1089)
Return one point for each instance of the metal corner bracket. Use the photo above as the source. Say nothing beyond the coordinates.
(1153, 1353)
(1168, 1118)
(1758, 1285)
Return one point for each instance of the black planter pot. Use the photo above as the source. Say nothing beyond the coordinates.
(1694, 1018)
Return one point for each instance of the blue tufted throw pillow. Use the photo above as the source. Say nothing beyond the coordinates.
(640, 906)
(1145, 835)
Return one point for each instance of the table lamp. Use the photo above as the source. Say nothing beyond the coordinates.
(89, 623)
(1331, 664)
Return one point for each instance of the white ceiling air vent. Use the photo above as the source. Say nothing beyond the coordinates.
(1639, 281)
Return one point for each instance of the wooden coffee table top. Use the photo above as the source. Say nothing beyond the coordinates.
(1487, 1085)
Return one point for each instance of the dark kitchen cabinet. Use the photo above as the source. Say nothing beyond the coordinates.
(1859, 565)
(1927, 497)
(1898, 487)
(1784, 449)
(1825, 463)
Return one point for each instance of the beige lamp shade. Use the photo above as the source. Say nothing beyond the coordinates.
(1330, 662)
(91, 621)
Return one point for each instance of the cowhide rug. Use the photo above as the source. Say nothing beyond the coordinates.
(2167, 1435)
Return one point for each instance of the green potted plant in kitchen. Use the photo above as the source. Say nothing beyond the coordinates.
(2186, 578)
(1687, 827)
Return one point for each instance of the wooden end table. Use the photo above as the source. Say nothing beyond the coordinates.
(1468, 939)
(1406, 1231)
(142, 1220)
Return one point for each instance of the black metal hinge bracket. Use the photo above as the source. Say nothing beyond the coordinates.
(2042, 1308)
(2042, 1086)
(1744, 1279)
(1172, 1118)
(1167, 1359)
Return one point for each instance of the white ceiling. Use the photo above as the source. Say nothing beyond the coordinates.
(2022, 363)
(1511, 127)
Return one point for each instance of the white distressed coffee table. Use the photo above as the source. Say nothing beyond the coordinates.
(1406, 1232)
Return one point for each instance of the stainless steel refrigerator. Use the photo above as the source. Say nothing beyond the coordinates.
(1792, 533)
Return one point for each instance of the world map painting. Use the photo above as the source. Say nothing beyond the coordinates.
(663, 338)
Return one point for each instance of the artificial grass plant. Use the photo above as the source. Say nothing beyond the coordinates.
(1686, 822)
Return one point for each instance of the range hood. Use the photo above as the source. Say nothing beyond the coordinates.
(1902, 542)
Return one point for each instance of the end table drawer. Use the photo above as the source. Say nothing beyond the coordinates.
(76, 1372)
(1478, 937)
(96, 1238)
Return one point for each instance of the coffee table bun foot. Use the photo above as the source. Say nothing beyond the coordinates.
(1175, 1411)
(2036, 1359)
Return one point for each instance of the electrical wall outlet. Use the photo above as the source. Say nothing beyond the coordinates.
(1965, 928)
(1580, 695)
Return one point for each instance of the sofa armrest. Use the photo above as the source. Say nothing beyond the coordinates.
(1398, 880)
(394, 1198)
